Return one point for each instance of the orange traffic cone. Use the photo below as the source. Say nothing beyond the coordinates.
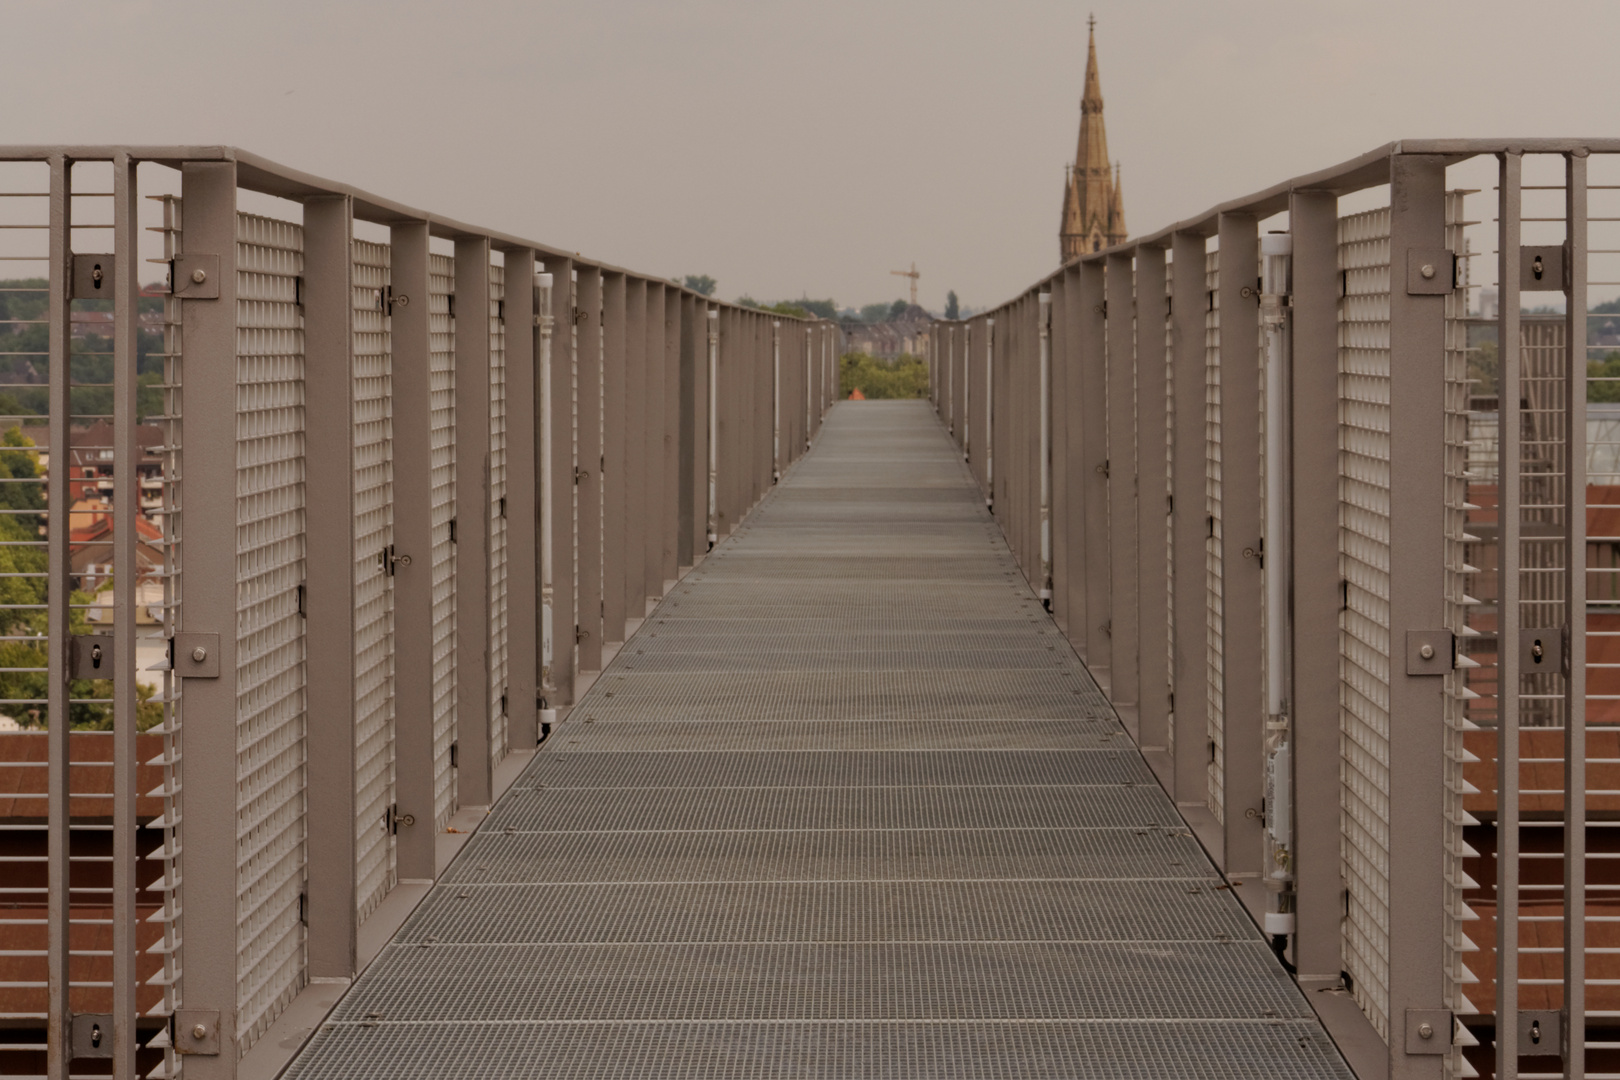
(856, 395)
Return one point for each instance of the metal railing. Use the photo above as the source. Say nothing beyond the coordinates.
(1286, 497)
(417, 479)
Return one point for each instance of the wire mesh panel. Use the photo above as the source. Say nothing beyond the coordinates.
(497, 514)
(1364, 478)
(271, 712)
(373, 592)
(1214, 651)
(442, 388)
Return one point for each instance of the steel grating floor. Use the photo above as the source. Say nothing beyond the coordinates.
(846, 806)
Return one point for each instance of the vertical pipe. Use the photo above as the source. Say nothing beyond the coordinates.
(1276, 250)
(1417, 581)
(1313, 218)
(776, 400)
(413, 541)
(59, 833)
(669, 434)
(614, 435)
(523, 496)
(635, 453)
(691, 428)
(990, 413)
(1242, 593)
(1044, 319)
(329, 660)
(650, 479)
(1189, 525)
(547, 492)
(1119, 319)
(474, 772)
(1152, 503)
(809, 384)
(1575, 749)
(208, 888)
(967, 391)
(589, 486)
(713, 320)
(561, 367)
(1076, 473)
(1091, 355)
(125, 514)
(1062, 548)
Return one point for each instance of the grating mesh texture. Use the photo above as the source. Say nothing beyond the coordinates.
(442, 423)
(373, 592)
(1364, 477)
(1215, 612)
(781, 837)
(270, 703)
(497, 515)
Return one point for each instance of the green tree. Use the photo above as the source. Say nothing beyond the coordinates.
(898, 308)
(953, 309)
(902, 377)
(1603, 378)
(821, 309)
(702, 284)
(875, 313)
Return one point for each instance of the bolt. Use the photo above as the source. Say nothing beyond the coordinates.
(199, 1031)
(1425, 1030)
(1427, 652)
(1427, 271)
(199, 275)
(199, 654)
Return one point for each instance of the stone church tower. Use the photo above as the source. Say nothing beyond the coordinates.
(1093, 205)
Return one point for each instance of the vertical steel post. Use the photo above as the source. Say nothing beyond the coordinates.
(990, 413)
(650, 479)
(523, 494)
(59, 832)
(1417, 581)
(1062, 548)
(1119, 318)
(670, 437)
(589, 487)
(564, 647)
(635, 452)
(967, 390)
(692, 431)
(948, 358)
(1575, 499)
(809, 384)
(474, 772)
(614, 448)
(125, 514)
(1091, 356)
(413, 558)
(1242, 591)
(546, 443)
(714, 425)
(208, 889)
(1313, 219)
(1153, 524)
(776, 400)
(329, 660)
(1509, 516)
(1043, 315)
(1189, 523)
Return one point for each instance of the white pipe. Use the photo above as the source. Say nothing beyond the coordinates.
(967, 393)
(547, 586)
(776, 402)
(714, 412)
(809, 367)
(950, 384)
(1046, 447)
(990, 413)
(1276, 251)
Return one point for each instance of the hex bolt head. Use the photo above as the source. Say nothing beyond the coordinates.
(1427, 271)
(1425, 1030)
(199, 654)
(1427, 652)
(199, 275)
(199, 1031)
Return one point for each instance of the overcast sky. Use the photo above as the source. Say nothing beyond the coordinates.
(809, 147)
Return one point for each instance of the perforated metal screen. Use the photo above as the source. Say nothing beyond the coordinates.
(442, 391)
(1215, 660)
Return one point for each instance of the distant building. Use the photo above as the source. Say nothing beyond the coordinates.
(1093, 203)
(900, 336)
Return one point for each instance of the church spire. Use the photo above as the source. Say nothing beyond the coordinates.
(1093, 217)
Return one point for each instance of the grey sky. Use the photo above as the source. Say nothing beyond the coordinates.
(807, 147)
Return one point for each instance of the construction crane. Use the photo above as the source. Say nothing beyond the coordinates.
(913, 275)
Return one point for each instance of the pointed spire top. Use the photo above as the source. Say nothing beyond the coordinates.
(1092, 100)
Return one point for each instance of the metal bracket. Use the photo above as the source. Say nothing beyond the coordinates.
(194, 277)
(395, 819)
(90, 656)
(196, 1031)
(1428, 1031)
(1430, 271)
(92, 1035)
(1541, 650)
(1540, 1033)
(194, 656)
(1430, 652)
(93, 277)
(1543, 269)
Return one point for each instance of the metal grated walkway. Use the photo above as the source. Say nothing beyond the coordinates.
(846, 806)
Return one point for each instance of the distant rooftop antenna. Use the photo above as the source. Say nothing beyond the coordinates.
(913, 275)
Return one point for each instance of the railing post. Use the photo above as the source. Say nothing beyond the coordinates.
(589, 486)
(545, 438)
(1153, 524)
(615, 438)
(564, 610)
(669, 473)
(59, 834)
(1119, 318)
(208, 889)
(474, 772)
(711, 383)
(990, 413)
(1091, 470)
(693, 436)
(523, 493)
(1188, 525)
(1043, 315)
(1242, 642)
(1313, 219)
(1417, 580)
(412, 560)
(1575, 578)
(1063, 564)
(329, 625)
(651, 474)
(776, 400)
